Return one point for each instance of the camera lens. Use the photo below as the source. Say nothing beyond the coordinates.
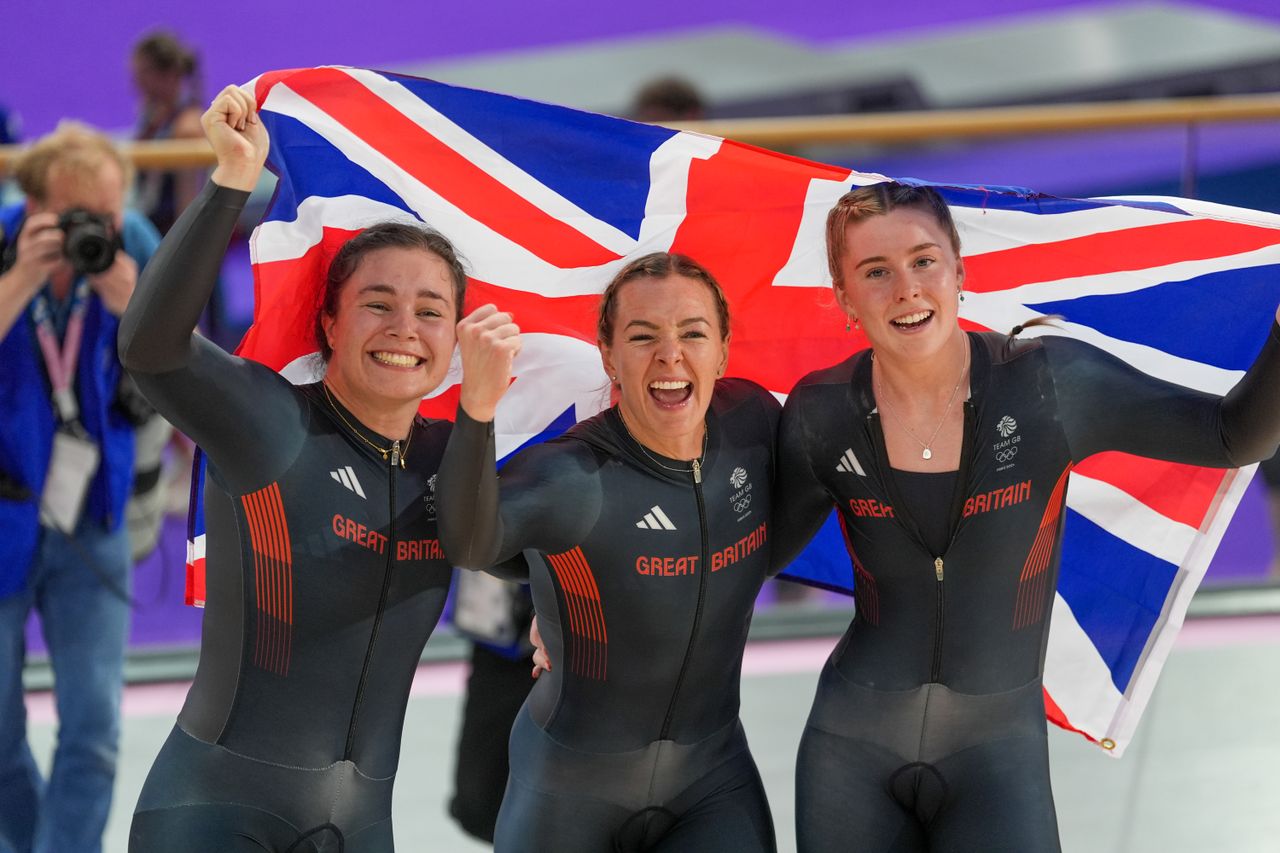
(91, 241)
(90, 253)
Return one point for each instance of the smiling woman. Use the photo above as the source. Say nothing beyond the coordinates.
(647, 530)
(385, 327)
(324, 570)
(928, 728)
(672, 346)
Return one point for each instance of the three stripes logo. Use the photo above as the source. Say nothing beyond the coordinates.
(347, 477)
(655, 519)
(849, 464)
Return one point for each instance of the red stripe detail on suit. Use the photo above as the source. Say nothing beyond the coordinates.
(273, 578)
(1033, 583)
(590, 639)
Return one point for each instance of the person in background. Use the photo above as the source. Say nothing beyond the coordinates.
(71, 257)
(495, 615)
(10, 126)
(10, 134)
(668, 99)
(166, 73)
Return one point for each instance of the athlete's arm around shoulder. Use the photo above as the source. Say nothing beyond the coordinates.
(548, 497)
(751, 412)
(242, 413)
(801, 502)
(1105, 404)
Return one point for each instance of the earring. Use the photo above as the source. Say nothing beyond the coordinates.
(961, 295)
(856, 324)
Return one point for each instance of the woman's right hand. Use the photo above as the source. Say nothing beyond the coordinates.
(238, 138)
(489, 340)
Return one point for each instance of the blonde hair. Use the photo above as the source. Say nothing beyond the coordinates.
(877, 200)
(73, 149)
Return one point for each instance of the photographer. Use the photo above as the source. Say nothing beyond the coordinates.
(71, 255)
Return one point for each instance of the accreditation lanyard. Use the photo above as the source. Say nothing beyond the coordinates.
(61, 364)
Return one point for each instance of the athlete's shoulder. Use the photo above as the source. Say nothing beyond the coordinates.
(747, 409)
(1002, 349)
(838, 374)
(732, 392)
(434, 431)
(582, 449)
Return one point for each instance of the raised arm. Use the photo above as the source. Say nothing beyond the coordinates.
(212, 396)
(547, 498)
(800, 502)
(1107, 405)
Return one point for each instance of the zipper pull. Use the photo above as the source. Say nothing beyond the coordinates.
(937, 567)
(697, 471)
(395, 455)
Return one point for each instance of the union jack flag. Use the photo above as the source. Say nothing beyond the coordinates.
(547, 203)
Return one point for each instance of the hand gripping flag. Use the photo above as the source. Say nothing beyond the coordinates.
(547, 203)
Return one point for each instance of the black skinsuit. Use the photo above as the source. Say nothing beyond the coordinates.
(928, 729)
(324, 580)
(632, 741)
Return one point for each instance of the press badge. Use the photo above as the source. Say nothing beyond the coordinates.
(74, 462)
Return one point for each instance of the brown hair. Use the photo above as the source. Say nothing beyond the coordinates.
(73, 148)
(877, 200)
(668, 99)
(166, 52)
(384, 235)
(658, 265)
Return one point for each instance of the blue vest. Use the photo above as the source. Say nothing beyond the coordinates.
(27, 420)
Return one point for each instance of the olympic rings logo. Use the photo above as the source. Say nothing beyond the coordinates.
(742, 505)
(1006, 455)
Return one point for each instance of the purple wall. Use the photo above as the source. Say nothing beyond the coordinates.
(69, 58)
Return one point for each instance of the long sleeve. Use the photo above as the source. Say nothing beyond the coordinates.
(801, 503)
(243, 414)
(1107, 405)
(547, 499)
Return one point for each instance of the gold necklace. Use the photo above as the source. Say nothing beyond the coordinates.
(394, 452)
(695, 466)
(926, 453)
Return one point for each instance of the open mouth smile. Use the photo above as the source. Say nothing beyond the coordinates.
(671, 393)
(396, 359)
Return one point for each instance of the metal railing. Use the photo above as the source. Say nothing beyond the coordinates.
(899, 127)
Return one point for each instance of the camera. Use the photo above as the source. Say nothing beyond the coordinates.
(91, 240)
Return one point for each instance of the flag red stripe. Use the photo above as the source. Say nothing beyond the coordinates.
(1058, 718)
(1184, 493)
(195, 591)
(424, 157)
(1114, 251)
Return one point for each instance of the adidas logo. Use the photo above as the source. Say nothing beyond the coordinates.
(347, 477)
(655, 519)
(849, 464)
